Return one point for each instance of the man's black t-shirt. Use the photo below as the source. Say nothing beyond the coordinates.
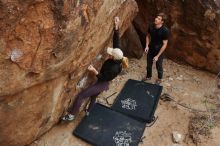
(157, 36)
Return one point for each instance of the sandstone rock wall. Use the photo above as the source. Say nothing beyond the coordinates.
(45, 48)
(131, 44)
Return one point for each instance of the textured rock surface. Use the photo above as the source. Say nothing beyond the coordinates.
(45, 48)
(195, 29)
(131, 44)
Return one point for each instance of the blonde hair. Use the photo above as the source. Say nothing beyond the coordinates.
(125, 63)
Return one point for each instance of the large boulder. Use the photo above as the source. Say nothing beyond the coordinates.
(131, 44)
(45, 48)
(194, 29)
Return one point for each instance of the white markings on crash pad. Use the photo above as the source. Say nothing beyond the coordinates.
(148, 93)
(129, 104)
(122, 138)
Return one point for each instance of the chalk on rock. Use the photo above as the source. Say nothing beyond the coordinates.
(177, 137)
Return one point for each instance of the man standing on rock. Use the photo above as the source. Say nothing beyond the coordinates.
(156, 43)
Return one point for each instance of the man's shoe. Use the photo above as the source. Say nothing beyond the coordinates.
(68, 117)
(158, 81)
(146, 79)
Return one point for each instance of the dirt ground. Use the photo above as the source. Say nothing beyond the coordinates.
(189, 87)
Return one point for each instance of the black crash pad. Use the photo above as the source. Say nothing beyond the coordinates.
(138, 100)
(105, 127)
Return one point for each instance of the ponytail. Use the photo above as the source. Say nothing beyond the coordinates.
(125, 63)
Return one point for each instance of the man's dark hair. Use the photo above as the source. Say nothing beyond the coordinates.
(163, 15)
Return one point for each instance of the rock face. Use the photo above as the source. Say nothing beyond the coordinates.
(45, 48)
(131, 44)
(194, 26)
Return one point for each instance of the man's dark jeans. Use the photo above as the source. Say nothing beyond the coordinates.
(159, 64)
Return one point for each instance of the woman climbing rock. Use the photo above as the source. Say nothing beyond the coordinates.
(109, 70)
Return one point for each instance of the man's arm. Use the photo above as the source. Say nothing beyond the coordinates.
(147, 43)
(161, 50)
